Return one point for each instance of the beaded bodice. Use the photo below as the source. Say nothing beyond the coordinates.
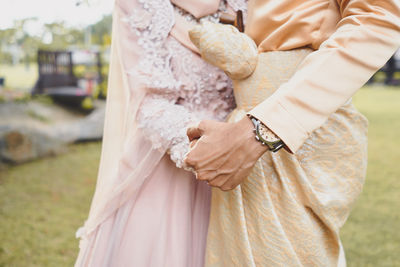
(181, 87)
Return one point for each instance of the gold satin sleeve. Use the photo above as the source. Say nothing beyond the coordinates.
(367, 34)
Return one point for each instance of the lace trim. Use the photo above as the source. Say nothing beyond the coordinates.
(212, 18)
(181, 87)
(152, 25)
(206, 90)
(238, 5)
(165, 124)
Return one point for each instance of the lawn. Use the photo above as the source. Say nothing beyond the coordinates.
(371, 236)
(42, 203)
(19, 77)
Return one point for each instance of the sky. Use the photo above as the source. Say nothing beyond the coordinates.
(48, 11)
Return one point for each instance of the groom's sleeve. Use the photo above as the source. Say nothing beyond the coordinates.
(365, 38)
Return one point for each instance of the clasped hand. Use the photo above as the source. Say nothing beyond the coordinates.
(223, 154)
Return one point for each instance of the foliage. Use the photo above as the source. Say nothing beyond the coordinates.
(13, 74)
(101, 31)
(42, 203)
(17, 44)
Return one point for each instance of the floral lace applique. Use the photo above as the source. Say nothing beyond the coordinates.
(205, 89)
(238, 5)
(182, 88)
(212, 18)
(152, 25)
(164, 123)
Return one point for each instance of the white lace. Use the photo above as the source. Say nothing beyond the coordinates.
(238, 5)
(182, 88)
(152, 25)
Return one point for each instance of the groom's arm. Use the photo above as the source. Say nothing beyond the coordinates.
(366, 37)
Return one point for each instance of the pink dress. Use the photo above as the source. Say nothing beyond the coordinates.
(147, 210)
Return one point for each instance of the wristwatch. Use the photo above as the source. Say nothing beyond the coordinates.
(265, 136)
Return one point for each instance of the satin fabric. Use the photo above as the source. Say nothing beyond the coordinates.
(352, 39)
(140, 195)
(198, 8)
(290, 208)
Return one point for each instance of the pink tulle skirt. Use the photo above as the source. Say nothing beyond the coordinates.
(166, 226)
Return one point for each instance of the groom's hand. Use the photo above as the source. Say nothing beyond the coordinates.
(222, 153)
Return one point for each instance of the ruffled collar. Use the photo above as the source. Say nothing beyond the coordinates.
(198, 8)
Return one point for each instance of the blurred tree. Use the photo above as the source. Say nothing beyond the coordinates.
(19, 43)
(101, 31)
(58, 37)
(6, 39)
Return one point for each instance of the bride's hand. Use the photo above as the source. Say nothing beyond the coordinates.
(222, 153)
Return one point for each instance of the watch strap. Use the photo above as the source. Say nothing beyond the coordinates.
(259, 127)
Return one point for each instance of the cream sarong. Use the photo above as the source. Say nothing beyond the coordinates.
(289, 210)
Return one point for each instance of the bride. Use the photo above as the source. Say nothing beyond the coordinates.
(147, 210)
(284, 208)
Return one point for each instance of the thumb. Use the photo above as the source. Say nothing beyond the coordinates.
(193, 132)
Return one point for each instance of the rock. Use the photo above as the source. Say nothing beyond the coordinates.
(32, 130)
(85, 129)
(20, 144)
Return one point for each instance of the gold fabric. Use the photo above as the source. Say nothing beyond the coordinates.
(285, 25)
(289, 210)
(352, 39)
(225, 47)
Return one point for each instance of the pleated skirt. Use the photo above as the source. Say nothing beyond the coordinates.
(289, 210)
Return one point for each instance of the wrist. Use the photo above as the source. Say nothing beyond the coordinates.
(265, 136)
(247, 131)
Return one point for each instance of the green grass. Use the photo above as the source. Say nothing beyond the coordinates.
(18, 77)
(371, 236)
(42, 203)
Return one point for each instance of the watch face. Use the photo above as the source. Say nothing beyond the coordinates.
(266, 134)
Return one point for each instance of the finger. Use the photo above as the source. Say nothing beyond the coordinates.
(193, 143)
(189, 162)
(193, 133)
(228, 185)
(205, 175)
(236, 179)
(202, 125)
(189, 158)
(192, 158)
(201, 176)
(185, 164)
(220, 180)
(196, 131)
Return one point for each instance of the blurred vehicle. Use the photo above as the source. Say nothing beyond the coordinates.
(387, 74)
(391, 67)
(73, 78)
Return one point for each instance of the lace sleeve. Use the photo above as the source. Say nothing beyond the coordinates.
(238, 5)
(179, 87)
(164, 123)
(161, 120)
